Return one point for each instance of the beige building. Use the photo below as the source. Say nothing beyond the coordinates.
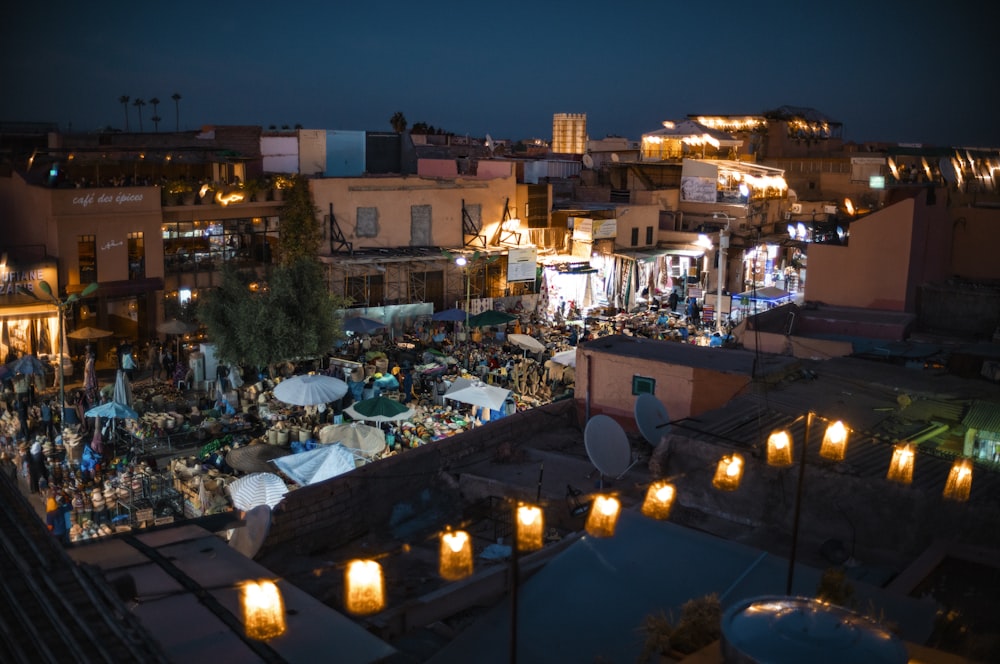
(569, 133)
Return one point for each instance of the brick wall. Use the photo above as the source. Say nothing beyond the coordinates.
(344, 508)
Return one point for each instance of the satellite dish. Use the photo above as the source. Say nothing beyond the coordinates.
(248, 539)
(947, 170)
(607, 446)
(489, 143)
(588, 161)
(614, 157)
(651, 418)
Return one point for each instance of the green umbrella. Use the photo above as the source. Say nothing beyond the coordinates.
(379, 409)
(490, 317)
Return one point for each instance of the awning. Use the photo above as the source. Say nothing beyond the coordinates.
(122, 288)
(641, 255)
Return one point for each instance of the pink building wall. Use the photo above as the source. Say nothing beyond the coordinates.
(973, 243)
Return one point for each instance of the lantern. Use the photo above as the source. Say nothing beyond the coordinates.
(834, 445)
(529, 525)
(364, 588)
(659, 500)
(728, 473)
(779, 449)
(959, 483)
(603, 516)
(263, 610)
(455, 556)
(901, 466)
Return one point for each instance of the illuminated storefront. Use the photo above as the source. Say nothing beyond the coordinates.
(26, 325)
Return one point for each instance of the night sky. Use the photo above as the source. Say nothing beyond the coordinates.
(889, 71)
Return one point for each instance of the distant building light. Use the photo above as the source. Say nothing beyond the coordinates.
(876, 182)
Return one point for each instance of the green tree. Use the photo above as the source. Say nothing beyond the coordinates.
(398, 122)
(123, 100)
(299, 231)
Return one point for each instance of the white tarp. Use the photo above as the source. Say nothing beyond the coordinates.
(316, 465)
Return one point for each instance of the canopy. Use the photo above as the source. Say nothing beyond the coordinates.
(316, 465)
(257, 489)
(112, 410)
(491, 317)
(567, 358)
(477, 393)
(368, 440)
(27, 365)
(174, 326)
(89, 333)
(452, 315)
(526, 342)
(362, 325)
(310, 390)
(379, 409)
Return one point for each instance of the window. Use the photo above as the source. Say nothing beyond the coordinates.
(643, 385)
(635, 237)
(206, 245)
(420, 226)
(136, 256)
(366, 290)
(649, 235)
(475, 213)
(367, 222)
(86, 253)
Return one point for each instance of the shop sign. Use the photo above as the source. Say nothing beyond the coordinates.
(89, 201)
(14, 279)
(522, 264)
(588, 230)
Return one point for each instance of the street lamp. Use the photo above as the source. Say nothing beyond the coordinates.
(723, 258)
(463, 263)
(61, 306)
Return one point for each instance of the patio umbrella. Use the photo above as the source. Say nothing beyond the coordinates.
(123, 389)
(316, 465)
(379, 409)
(490, 317)
(477, 393)
(112, 410)
(362, 325)
(310, 390)
(528, 343)
(174, 326)
(90, 379)
(368, 440)
(27, 365)
(256, 489)
(567, 358)
(89, 333)
(450, 315)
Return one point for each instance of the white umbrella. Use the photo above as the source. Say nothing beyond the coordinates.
(89, 333)
(368, 440)
(477, 393)
(174, 326)
(526, 342)
(316, 465)
(567, 358)
(310, 390)
(256, 489)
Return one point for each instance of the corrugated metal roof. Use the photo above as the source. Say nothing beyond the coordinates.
(983, 415)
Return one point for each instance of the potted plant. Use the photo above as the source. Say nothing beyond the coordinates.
(279, 185)
(178, 191)
(257, 189)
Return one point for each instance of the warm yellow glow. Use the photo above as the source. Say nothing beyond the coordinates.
(927, 168)
(728, 473)
(204, 190)
(668, 124)
(530, 524)
(364, 588)
(779, 449)
(901, 466)
(263, 610)
(704, 139)
(455, 555)
(659, 500)
(959, 483)
(512, 224)
(892, 168)
(236, 196)
(834, 445)
(603, 516)
(849, 206)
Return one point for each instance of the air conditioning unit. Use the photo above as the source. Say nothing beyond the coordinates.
(796, 208)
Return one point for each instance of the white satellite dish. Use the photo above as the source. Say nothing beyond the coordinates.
(489, 143)
(651, 418)
(607, 446)
(947, 170)
(614, 157)
(588, 161)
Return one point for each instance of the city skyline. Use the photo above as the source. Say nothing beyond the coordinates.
(504, 70)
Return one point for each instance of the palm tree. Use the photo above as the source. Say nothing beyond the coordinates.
(154, 102)
(398, 122)
(123, 100)
(139, 103)
(177, 107)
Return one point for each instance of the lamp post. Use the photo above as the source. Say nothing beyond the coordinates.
(723, 259)
(61, 306)
(463, 263)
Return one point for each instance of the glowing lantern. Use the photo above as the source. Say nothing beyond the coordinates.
(455, 556)
(728, 473)
(529, 524)
(901, 466)
(834, 445)
(779, 449)
(659, 500)
(603, 516)
(364, 587)
(263, 610)
(959, 483)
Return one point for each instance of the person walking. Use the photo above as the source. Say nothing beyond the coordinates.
(36, 467)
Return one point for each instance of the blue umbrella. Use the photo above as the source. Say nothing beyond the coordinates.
(112, 410)
(362, 325)
(450, 315)
(27, 365)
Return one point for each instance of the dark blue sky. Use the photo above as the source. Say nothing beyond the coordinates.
(889, 71)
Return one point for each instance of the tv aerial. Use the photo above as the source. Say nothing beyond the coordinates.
(588, 161)
(607, 446)
(651, 418)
